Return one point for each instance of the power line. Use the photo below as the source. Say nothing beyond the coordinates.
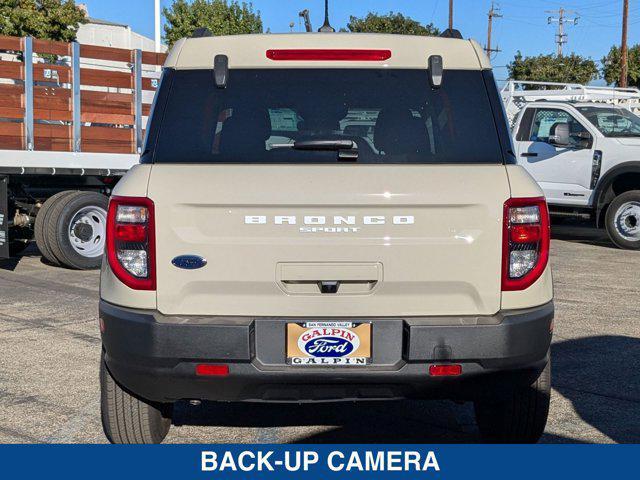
(561, 19)
(435, 7)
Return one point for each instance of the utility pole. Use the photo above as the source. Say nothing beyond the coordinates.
(624, 54)
(450, 14)
(157, 26)
(561, 37)
(493, 13)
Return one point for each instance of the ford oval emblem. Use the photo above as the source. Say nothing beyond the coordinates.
(189, 262)
(332, 347)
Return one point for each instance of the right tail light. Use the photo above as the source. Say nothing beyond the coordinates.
(131, 241)
(526, 240)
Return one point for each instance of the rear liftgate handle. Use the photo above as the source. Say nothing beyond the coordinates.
(329, 278)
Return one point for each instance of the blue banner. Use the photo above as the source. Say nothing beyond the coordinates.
(319, 462)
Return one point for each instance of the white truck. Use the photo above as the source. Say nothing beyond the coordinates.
(582, 145)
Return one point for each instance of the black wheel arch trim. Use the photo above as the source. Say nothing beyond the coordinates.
(606, 181)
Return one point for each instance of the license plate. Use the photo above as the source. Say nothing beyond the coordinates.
(328, 343)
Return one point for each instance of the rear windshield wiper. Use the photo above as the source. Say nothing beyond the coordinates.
(347, 149)
(335, 145)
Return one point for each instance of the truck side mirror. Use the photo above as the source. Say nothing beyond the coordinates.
(585, 140)
(559, 135)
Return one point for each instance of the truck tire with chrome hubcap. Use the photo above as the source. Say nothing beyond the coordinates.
(42, 241)
(76, 229)
(623, 220)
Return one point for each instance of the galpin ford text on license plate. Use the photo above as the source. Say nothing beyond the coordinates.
(328, 343)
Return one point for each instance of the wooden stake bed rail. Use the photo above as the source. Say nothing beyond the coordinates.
(74, 98)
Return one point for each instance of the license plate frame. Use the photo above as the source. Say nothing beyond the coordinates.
(328, 343)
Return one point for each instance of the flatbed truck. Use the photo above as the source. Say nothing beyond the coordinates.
(72, 123)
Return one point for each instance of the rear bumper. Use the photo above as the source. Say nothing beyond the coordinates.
(154, 356)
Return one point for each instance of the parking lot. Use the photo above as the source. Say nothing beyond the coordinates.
(50, 348)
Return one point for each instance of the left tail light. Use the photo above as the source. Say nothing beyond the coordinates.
(131, 242)
(526, 240)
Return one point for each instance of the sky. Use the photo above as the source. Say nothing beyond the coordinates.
(523, 26)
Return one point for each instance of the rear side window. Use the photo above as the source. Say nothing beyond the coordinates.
(525, 125)
(393, 116)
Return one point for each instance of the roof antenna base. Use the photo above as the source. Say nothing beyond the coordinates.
(201, 33)
(326, 27)
(451, 33)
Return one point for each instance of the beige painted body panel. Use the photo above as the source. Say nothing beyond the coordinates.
(447, 262)
(137, 180)
(249, 51)
(541, 292)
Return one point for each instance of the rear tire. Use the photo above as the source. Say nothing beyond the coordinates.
(40, 226)
(518, 418)
(76, 229)
(623, 220)
(125, 418)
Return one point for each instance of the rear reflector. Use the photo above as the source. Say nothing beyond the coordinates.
(329, 55)
(445, 370)
(205, 370)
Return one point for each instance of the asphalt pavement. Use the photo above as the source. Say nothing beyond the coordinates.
(50, 350)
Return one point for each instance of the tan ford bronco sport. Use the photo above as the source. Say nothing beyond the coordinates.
(325, 217)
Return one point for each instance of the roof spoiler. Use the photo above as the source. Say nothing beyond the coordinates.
(451, 33)
(201, 33)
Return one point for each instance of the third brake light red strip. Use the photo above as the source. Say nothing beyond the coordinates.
(329, 55)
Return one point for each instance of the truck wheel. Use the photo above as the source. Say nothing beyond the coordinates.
(125, 418)
(76, 229)
(623, 220)
(39, 227)
(520, 417)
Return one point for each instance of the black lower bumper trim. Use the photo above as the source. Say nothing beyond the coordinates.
(154, 356)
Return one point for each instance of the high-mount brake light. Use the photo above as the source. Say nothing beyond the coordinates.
(345, 55)
(131, 241)
(526, 239)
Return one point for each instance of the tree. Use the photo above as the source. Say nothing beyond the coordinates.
(391, 23)
(611, 66)
(44, 19)
(551, 68)
(219, 16)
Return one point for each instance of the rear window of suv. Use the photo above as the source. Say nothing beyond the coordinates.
(393, 116)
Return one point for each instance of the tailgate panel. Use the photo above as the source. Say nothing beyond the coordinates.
(429, 236)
